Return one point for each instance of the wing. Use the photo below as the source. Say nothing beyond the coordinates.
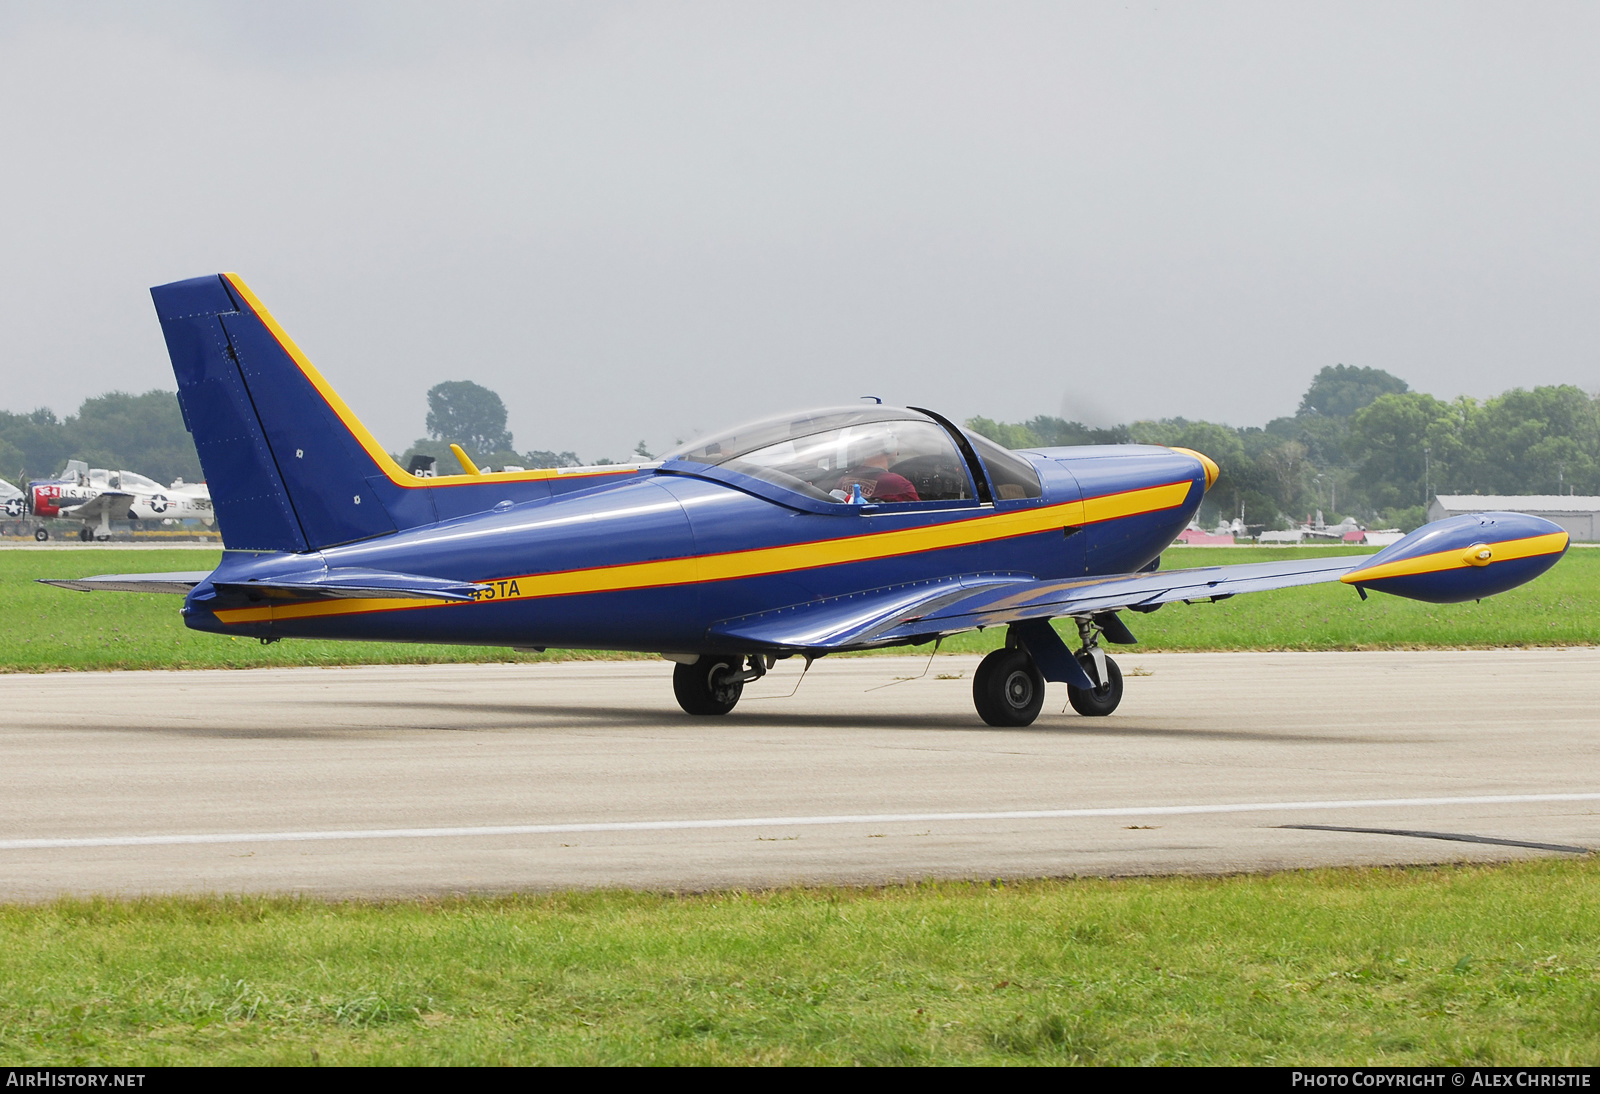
(179, 583)
(857, 619)
(924, 611)
(110, 502)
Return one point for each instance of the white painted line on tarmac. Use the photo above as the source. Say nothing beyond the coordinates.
(766, 822)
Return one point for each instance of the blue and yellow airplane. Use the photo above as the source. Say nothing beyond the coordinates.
(803, 534)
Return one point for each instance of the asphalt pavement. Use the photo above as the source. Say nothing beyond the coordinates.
(390, 781)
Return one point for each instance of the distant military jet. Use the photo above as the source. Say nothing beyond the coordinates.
(799, 535)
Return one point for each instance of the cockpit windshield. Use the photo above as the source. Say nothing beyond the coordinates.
(892, 456)
(1013, 478)
(132, 480)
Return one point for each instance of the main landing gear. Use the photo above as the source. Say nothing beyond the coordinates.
(713, 683)
(1008, 688)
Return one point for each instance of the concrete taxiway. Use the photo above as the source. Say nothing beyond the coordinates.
(406, 780)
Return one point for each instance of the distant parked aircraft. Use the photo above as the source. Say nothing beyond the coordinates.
(1348, 530)
(13, 501)
(96, 497)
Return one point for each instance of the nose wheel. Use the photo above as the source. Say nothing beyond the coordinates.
(1099, 701)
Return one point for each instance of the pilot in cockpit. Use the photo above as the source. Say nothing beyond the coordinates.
(873, 456)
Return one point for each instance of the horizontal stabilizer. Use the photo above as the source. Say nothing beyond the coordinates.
(179, 583)
(353, 583)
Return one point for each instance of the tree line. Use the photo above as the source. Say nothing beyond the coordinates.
(142, 433)
(1363, 444)
(145, 433)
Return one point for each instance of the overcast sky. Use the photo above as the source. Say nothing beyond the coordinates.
(645, 220)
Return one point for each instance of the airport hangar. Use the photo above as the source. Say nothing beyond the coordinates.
(1578, 514)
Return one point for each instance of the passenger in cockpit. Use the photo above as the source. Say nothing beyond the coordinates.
(878, 483)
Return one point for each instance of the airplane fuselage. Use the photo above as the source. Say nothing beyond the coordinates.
(49, 498)
(672, 552)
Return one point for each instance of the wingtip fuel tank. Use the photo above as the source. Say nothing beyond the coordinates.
(1464, 558)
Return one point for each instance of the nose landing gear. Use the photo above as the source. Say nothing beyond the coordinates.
(1102, 699)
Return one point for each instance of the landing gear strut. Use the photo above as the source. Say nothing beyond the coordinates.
(1103, 698)
(714, 682)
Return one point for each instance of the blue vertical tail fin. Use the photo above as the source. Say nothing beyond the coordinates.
(289, 467)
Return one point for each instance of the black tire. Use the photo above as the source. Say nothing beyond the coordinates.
(1008, 689)
(1103, 699)
(85, 535)
(700, 689)
(41, 534)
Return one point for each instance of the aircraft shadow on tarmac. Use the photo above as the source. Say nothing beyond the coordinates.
(335, 718)
(754, 718)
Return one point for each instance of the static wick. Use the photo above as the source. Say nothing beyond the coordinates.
(936, 643)
(797, 683)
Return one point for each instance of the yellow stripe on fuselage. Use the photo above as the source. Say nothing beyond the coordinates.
(395, 473)
(761, 561)
(1455, 558)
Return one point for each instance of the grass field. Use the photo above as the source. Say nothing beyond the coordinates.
(1480, 965)
(46, 629)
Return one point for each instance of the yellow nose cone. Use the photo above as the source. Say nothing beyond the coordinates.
(1212, 470)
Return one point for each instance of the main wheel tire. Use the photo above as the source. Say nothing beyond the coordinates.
(85, 535)
(702, 688)
(1102, 700)
(1008, 689)
(41, 534)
